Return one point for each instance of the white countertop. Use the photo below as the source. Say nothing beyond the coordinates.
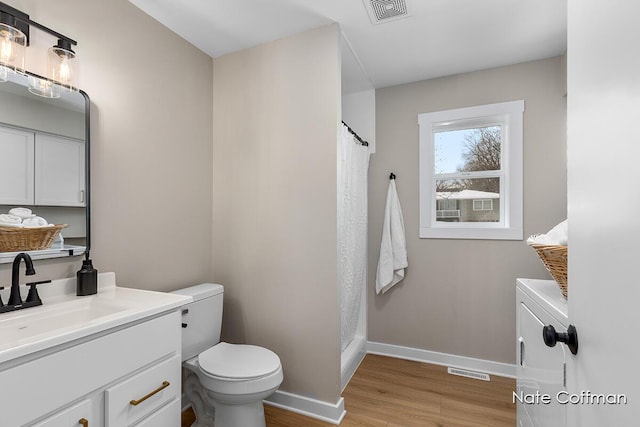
(547, 294)
(65, 317)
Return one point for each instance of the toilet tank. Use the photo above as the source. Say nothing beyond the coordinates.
(201, 319)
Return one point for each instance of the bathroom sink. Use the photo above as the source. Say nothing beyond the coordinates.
(30, 323)
(65, 317)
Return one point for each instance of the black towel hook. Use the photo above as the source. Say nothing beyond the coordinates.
(392, 176)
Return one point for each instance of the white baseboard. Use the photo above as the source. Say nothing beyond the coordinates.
(426, 356)
(324, 411)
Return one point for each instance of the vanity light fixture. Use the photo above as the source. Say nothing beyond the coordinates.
(62, 61)
(12, 45)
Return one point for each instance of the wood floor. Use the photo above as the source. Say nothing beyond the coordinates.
(389, 392)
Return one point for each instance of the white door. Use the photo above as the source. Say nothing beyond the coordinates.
(604, 249)
(16, 166)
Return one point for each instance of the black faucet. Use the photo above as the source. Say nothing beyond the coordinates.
(15, 301)
(14, 298)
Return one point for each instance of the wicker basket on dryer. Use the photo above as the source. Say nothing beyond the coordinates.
(554, 258)
(15, 239)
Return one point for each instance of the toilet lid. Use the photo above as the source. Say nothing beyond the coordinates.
(238, 361)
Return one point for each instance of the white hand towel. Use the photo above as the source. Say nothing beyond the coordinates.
(36, 221)
(393, 247)
(558, 235)
(22, 212)
(10, 219)
(9, 224)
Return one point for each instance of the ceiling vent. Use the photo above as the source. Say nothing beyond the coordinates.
(381, 11)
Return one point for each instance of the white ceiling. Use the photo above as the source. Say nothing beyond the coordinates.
(438, 38)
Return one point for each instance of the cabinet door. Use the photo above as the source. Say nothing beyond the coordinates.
(16, 166)
(168, 416)
(79, 415)
(540, 370)
(59, 171)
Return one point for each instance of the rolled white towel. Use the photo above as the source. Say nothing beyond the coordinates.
(22, 212)
(36, 221)
(558, 235)
(10, 219)
(13, 224)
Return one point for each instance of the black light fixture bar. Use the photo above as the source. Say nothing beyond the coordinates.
(20, 20)
(15, 18)
(50, 31)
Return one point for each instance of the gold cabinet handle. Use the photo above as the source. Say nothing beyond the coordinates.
(164, 385)
(83, 422)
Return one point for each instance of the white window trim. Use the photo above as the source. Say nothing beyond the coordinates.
(510, 227)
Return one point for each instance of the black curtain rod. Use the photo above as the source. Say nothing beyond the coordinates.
(360, 140)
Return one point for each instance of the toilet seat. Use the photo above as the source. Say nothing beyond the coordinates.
(238, 362)
(235, 370)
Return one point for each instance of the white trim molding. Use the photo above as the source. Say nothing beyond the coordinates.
(318, 409)
(479, 365)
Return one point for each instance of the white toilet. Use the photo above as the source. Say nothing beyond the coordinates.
(225, 383)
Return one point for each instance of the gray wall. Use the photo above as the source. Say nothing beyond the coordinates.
(151, 94)
(276, 115)
(458, 295)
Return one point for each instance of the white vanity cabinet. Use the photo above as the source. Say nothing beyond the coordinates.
(41, 169)
(541, 370)
(126, 376)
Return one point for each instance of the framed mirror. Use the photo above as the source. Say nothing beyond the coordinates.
(44, 165)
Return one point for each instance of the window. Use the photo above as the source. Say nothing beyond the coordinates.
(471, 172)
(483, 205)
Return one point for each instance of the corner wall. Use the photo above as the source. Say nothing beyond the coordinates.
(276, 116)
(458, 296)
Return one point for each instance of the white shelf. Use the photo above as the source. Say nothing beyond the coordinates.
(58, 252)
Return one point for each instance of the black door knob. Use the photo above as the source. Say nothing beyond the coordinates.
(570, 338)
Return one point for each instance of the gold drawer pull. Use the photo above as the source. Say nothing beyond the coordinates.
(164, 385)
(83, 422)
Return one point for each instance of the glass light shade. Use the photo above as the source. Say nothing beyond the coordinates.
(43, 87)
(63, 67)
(13, 43)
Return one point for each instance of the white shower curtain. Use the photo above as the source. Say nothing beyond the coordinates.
(352, 231)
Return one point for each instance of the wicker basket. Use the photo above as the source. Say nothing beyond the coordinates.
(555, 259)
(14, 239)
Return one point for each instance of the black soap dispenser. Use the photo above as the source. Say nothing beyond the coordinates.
(87, 278)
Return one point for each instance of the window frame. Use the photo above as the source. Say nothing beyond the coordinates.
(509, 115)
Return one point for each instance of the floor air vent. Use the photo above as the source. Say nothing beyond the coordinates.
(386, 10)
(469, 374)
